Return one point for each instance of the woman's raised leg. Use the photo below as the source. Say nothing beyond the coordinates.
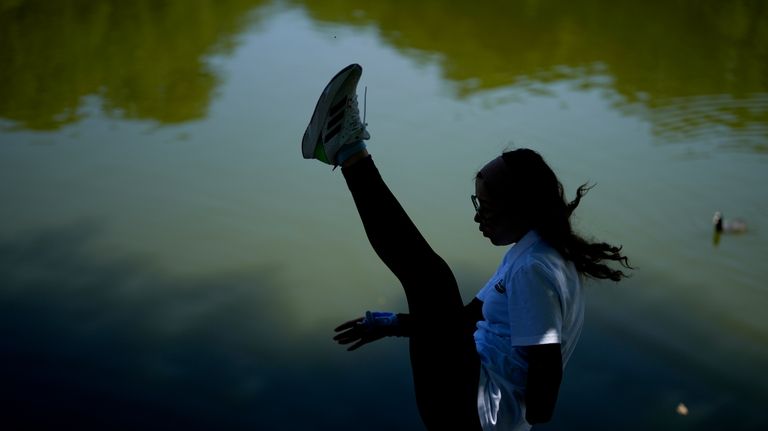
(443, 356)
(439, 342)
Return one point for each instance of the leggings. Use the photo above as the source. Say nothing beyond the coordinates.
(443, 355)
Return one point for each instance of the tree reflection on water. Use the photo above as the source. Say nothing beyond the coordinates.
(146, 59)
(691, 67)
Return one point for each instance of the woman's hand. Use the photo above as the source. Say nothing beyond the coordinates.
(363, 330)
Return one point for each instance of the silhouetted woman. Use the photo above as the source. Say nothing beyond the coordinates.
(496, 363)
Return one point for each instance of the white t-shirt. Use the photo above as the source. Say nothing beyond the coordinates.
(535, 297)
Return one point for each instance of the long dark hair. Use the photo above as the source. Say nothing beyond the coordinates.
(540, 201)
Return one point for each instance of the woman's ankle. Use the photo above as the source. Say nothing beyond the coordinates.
(354, 158)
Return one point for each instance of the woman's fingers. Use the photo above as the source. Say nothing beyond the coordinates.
(347, 339)
(349, 324)
(350, 332)
(353, 332)
(357, 345)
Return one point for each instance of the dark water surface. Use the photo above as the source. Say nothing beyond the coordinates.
(168, 260)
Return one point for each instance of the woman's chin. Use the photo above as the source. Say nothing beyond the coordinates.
(492, 238)
(496, 240)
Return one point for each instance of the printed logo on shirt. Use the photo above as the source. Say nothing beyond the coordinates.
(500, 287)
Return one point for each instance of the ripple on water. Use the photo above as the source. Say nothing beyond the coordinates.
(739, 123)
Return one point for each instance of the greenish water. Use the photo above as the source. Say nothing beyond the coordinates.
(167, 259)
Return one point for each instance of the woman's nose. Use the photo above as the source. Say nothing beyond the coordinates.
(477, 217)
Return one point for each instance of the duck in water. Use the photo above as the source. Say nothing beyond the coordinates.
(726, 226)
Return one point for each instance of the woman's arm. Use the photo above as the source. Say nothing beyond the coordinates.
(353, 332)
(545, 372)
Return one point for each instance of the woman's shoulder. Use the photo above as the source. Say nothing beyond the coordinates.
(544, 254)
(536, 257)
(544, 261)
(534, 263)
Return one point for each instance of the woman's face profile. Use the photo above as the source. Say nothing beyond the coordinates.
(498, 220)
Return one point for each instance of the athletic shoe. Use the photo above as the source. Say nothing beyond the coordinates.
(336, 120)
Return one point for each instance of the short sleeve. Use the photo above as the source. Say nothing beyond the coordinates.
(535, 311)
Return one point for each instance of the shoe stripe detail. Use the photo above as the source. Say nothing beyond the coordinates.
(337, 106)
(333, 132)
(335, 120)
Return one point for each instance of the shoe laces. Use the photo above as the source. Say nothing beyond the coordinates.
(365, 106)
(355, 127)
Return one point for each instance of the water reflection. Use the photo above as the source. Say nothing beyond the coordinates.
(146, 59)
(695, 69)
(90, 343)
(88, 339)
(741, 122)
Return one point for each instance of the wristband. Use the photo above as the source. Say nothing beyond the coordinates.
(379, 319)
